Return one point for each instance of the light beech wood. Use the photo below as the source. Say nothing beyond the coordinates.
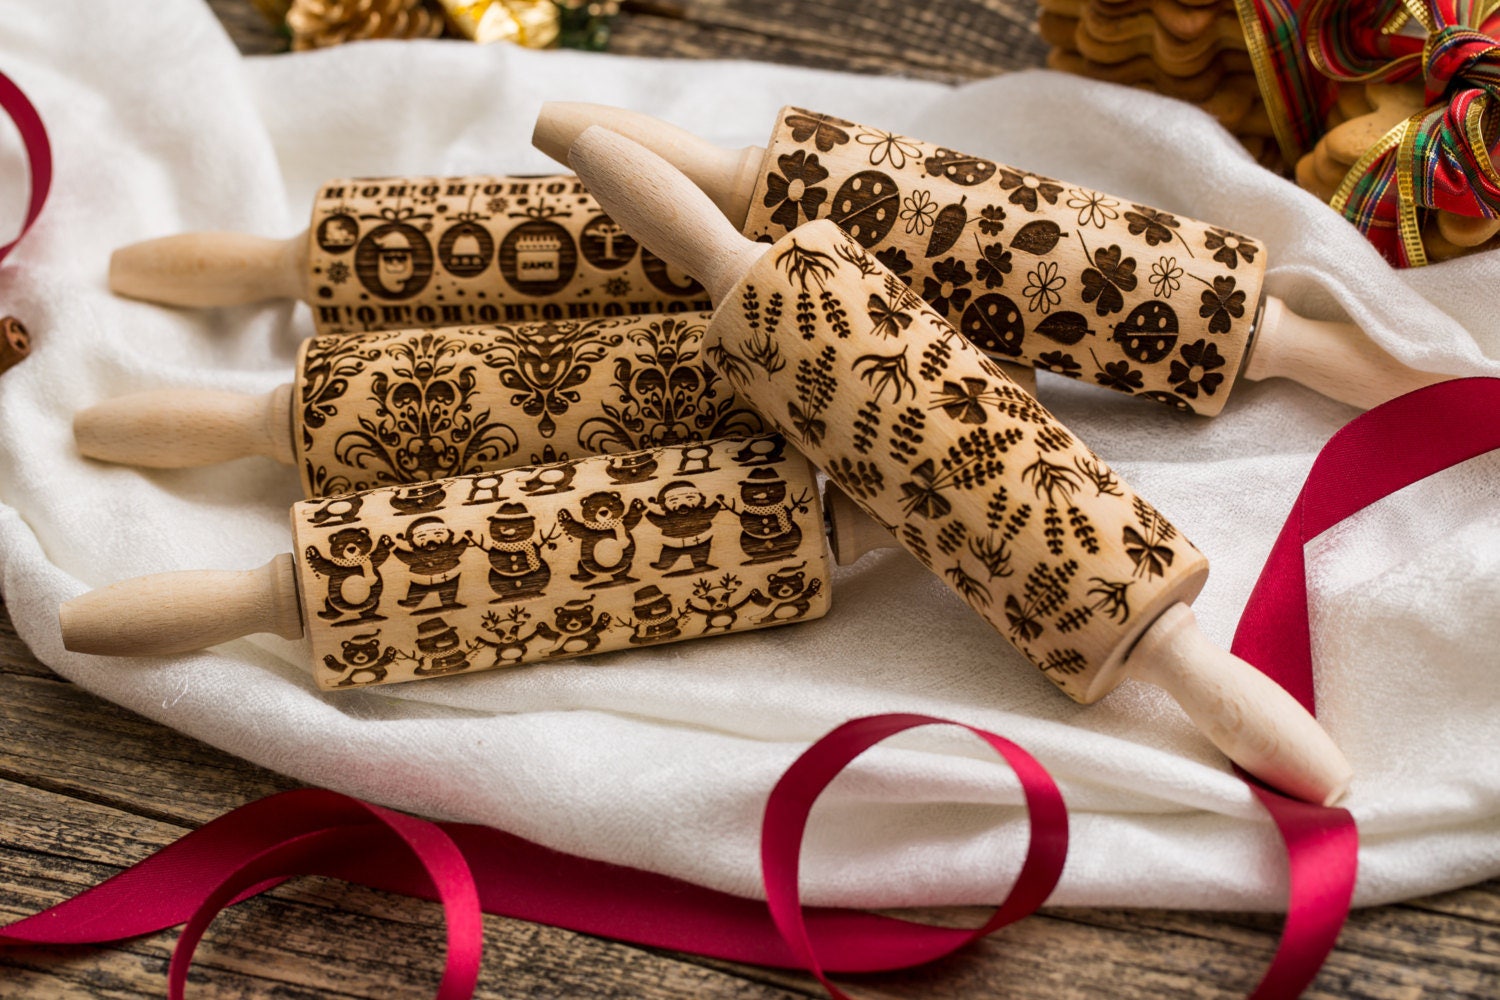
(851, 532)
(1029, 269)
(185, 428)
(1334, 359)
(210, 269)
(926, 434)
(473, 573)
(391, 407)
(169, 613)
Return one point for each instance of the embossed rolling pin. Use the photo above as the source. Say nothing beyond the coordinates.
(1028, 268)
(389, 407)
(966, 469)
(395, 253)
(529, 565)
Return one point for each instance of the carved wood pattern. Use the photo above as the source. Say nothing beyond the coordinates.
(404, 252)
(553, 561)
(971, 473)
(390, 407)
(1028, 268)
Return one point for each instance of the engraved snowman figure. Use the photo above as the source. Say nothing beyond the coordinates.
(768, 532)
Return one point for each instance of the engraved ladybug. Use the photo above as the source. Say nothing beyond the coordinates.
(1173, 400)
(1149, 333)
(993, 324)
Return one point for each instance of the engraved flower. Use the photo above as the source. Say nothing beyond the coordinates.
(617, 287)
(1027, 188)
(895, 260)
(1220, 303)
(497, 205)
(944, 289)
(1155, 225)
(918, 209)
(1196, 369)
(1119, 375)
(1043, 287)
(1229, 247)
(991, 220)
(793, 189)
(993, 265)
(1166, 277)
(1093, 208)
(338, 272)
(1061, 363)
(886, 146)
(1112, 274)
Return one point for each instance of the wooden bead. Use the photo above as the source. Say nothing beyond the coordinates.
(15, 342)
(1027, 268)
(384, 408)
(560, 560)
(407, 252)
(971, 474)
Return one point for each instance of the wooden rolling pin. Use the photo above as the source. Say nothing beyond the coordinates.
(389, 407)
(397, 253)
(1029, 269)
(970, 473)
(529, 565)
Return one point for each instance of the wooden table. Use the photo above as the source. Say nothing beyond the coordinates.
(86, 787)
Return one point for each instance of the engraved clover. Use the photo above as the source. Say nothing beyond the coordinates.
(1119, 375)
(918, 210)
(1112, 274)
(1028, 187)
(895, 261)
(825, 130)
(945, 287)
(1220, 303)
(991, 220)
(1043, 287)
(1201, 358)
(1166, 277)
(1229, 247)
(793, 189)
(1157, 226)
(993, 264)
(1093, 208)
(886, 146)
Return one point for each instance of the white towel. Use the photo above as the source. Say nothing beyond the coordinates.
(663, 758)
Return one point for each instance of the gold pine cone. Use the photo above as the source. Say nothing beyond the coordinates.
(317, 24)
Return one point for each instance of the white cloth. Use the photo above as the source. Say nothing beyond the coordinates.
(663, 758)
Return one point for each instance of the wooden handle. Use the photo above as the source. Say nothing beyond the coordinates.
(552, 561)
(374, 409)
(1248, 716)
(1336, 359)
(727, 176)
(210, 269)
(671, 215)
(172, 613)
(186, 428)
(851, 532)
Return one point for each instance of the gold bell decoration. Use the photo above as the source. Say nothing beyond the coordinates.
(316, 24)
(531, 23)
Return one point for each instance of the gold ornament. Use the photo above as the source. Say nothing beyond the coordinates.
(531, 23)
(317, 24)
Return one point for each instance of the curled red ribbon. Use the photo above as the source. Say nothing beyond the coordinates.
(38, 153)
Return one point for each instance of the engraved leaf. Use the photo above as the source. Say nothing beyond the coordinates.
(948, 226)
(1064, 327)
(1037, 237)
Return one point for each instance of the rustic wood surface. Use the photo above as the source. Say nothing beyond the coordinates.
(88, 787)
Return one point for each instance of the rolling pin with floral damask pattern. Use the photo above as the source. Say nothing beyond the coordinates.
(970, 473)
(529, 565)
(1027, 268)
(403, 252)
(402, 406)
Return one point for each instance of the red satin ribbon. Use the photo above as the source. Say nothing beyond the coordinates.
(38, 153)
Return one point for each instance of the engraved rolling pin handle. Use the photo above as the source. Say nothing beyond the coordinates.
(186, 428)
(1337, 360)
(169, 613)
(1253, 721)
(210, 269)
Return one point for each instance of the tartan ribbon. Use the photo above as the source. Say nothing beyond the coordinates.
(1297, 98)
(1440, 157)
